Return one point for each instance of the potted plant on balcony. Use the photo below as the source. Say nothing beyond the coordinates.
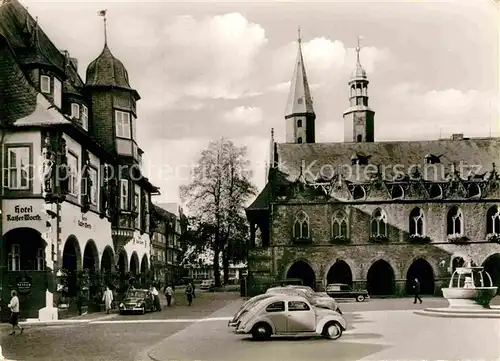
(457, 238)
(493, 237)
(378, 238)
(339, 239)
(418, 238)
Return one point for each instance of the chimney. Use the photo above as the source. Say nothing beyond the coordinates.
(74, 61)
(457, 136)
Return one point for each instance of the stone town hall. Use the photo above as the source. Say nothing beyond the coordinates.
(371, 214)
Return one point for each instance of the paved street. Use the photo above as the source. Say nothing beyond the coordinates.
(378, 329)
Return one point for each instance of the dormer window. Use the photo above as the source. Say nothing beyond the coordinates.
(123, 129)
(75, 110)
(45, 84)
(85, 117)
(57, 93)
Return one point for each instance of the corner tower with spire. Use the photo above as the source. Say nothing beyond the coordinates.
(299, 114)
(359, 118)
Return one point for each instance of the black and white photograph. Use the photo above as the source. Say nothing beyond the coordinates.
(249, 180)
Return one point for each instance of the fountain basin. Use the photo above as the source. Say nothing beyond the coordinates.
(477, 297)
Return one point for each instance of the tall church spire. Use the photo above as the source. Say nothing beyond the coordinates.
(299, 111)
(359, 118)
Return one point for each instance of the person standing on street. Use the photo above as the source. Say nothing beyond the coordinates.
(189, 293)
(156, 296)
(416, 289)
(14, 313)
(169, 292)
(107, 298)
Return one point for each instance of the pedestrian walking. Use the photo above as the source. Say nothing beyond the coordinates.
(189, 293)
(156, 297)
(416, 289)
(107, 297)
(169, 292)
(14, 313)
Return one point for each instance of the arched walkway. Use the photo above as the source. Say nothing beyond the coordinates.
(304, 271)
(134, 264)
(422, 270)
(24, 250)
(107, 259)
(90, 256)
(123, 262)
(340, 272)
(380, 279)
(72, 260)
(144, 264)
(492, 266)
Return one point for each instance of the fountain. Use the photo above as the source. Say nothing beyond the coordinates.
(469, 294)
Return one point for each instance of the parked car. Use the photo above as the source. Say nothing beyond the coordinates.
(137, 301)
(341, 290)
(247, 306)
(292, 316)
(288, 281)
(207, 284)
(318, 299)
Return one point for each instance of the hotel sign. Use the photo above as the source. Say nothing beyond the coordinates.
(84, 223)
(23, 213)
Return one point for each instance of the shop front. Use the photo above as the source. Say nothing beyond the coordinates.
(24, 251)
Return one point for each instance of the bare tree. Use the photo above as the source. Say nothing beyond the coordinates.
(216, 197)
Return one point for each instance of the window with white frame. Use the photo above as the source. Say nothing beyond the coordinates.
(122, 120)
(93, 185)
(137, 205)
(124, 194)
(40, 259)
(14, 258)
(85, 117)
(18, 164)
(134, 127)
(73, 174)
(493, 220)
(57, 93)
(455, 221)
(45, 84)
(75, 110)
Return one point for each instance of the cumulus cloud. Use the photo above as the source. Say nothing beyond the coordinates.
(244, 115)
(445, 111)
(326, 61)
(213, 57)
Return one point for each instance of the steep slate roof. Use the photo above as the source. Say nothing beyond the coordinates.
(299, 97)
(262, 200)
(477, 154)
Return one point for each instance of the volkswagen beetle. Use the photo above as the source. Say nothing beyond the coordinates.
(290, 316)
(137, 301)
(247, 306)
(318, 299)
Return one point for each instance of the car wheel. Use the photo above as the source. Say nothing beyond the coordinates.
(332, 331)
(143, 310)
(360, 298)
(261, 331)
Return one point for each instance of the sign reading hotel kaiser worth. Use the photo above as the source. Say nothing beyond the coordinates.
(23, 284)
(19, 213)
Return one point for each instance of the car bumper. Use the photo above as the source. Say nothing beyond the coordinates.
(240, 331)
(232, 324)
(130, 309)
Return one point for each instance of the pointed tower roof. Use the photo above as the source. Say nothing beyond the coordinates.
(359, 73)
(299, 98)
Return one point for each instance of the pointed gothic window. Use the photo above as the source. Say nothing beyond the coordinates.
(455, 221)
(340, 225)
(379, 223)
(417, 222)
(299, 140)
(359, 138)
(397, 191)
(435, 191)
(493, 221)
(358, 193)
(301, 225)
(299, 123)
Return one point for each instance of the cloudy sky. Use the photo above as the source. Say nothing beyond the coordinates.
(211, 69)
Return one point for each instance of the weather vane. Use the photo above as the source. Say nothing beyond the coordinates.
(103, 14)
(298, 31)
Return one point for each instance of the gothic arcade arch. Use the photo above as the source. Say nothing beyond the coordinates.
(134, 264)
(122, 262)
(423, 271)
(492, 266)
(339, 272)
(303, 270)
(380, 279)
(107, 258)
(90, 256)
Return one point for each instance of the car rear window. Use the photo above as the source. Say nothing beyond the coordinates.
(276, 307)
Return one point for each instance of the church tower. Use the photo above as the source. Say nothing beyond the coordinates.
(299, 114)
(359, 118)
